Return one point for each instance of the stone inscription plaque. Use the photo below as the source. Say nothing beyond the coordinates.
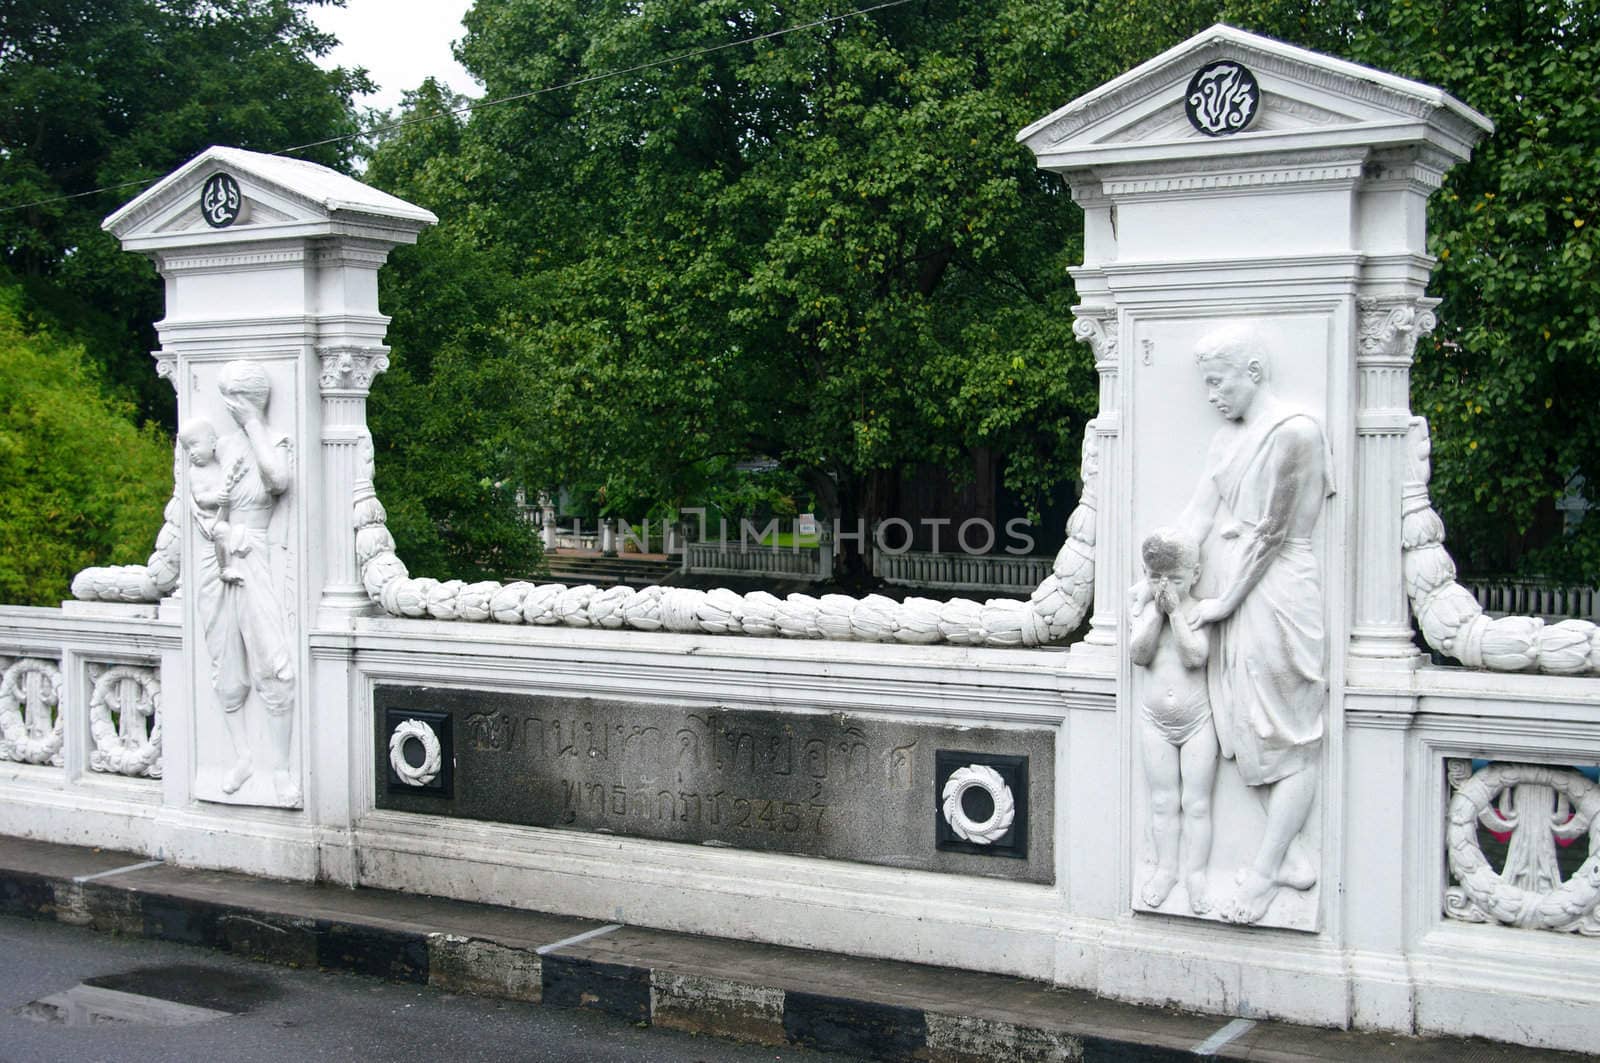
(846, 786)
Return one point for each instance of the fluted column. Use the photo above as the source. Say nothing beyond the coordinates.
(347, 374)
(1098, 326)
(1390, 326)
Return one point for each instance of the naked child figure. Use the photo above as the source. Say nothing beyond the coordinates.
(210, 488)
(1176, 739)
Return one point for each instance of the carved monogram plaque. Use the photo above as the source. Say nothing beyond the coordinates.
(1223, 98)
(221, 202)
(836, 785)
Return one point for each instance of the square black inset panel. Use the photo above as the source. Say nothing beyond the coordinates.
(988, 799)
(422, 743)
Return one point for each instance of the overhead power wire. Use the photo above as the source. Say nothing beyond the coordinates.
(512, 98)
(697, 53)
(79, 195)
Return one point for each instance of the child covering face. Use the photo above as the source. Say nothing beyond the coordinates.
(1178, 742)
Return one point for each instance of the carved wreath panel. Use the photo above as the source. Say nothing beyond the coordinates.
(1531, 809)
(125, 721)
(30, 717)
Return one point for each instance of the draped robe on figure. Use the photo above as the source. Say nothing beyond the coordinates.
(245, 621)
(1267, 669)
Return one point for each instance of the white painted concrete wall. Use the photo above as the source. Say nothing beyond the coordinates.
(1314, 225)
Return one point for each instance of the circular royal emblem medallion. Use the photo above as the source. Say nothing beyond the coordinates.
(1222, 99)
(220, 201)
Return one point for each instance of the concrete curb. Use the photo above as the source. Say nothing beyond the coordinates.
(754, 993)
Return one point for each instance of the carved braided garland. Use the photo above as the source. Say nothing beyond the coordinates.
(981, 777)
(1452, 621)
(424, 773)
(149, 582)
(1055, 609)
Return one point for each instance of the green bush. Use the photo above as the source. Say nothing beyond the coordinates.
(80, 483)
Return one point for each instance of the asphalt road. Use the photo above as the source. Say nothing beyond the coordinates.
(276, 1014)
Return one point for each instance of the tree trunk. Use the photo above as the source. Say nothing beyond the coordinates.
(852, 505)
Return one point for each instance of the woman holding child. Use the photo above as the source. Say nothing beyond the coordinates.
(234, 485)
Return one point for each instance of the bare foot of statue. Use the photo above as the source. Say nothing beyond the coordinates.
(283, 783)
(1253, 898)
(1158, 885)
(241, 770)
(1199, 893)
(1297, 871)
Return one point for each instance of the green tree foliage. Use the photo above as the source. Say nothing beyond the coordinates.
(823, 247)
(97, 93)
(1511, 380)
(63, 505)
(451, 418)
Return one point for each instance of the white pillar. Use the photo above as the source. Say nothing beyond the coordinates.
(1241, 191)
(1099, 326)
(348, 370)
(272, 336)
(547, 522)
(1381, 618)
(1393, 313)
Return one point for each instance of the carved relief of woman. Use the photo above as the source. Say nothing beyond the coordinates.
(237, 591)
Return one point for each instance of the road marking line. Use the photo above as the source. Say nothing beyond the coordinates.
(1236, 1028)
(255, 922)
(80, 879)
(574, 939)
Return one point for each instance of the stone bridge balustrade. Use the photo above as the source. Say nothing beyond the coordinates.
(81, 720)
(1252, 530)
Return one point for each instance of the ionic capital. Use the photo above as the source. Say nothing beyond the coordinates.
(351, 368)
(1392, 325)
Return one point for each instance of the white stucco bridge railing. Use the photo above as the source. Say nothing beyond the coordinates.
(81, 702)
(749, 559)
(995, 573)
(975, 573)
(583, 541)
(1551, 602)
(1251, 798)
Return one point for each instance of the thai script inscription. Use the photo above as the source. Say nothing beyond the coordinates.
(718, 771)
(843, 785)
(596, 800)
(707, 743)
(1222, 98)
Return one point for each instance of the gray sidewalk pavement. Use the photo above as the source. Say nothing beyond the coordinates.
(873, 1009)
(72, 995)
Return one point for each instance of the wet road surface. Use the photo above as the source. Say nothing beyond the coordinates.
(72, 994)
